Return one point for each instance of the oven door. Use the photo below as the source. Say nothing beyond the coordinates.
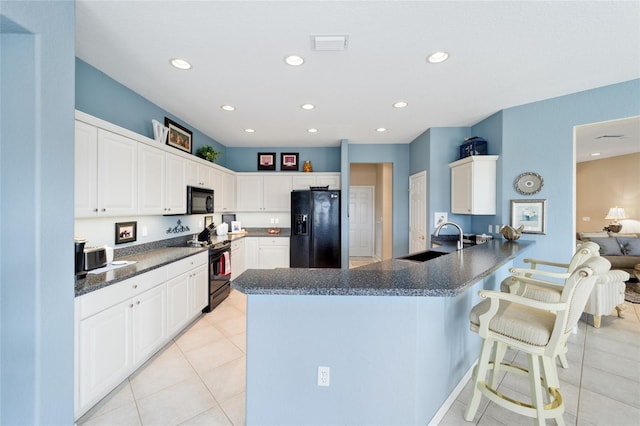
(219, 277)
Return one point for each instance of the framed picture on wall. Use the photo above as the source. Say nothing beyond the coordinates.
(179, 137)
(266, 161)
(530, 214)
(289, 161)
(126, 232)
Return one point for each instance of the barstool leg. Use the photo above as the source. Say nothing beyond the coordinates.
(536, 389)
(479, 374)
(500, 351)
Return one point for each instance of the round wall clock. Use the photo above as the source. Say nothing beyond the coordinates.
(528, 183)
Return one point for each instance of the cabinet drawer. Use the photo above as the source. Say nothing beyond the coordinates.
(274, 241)
(185, 265)
(237, 244)
(99, 300)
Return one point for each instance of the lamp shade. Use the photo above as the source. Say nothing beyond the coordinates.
(615, 213)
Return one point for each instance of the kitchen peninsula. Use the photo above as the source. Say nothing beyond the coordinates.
(394, 334)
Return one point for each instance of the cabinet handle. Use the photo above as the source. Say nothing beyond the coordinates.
(138, 302)
(95, 210)
(104, 210)
(131, 305)
(135, 286)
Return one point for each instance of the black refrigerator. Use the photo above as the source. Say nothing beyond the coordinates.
(315, 229)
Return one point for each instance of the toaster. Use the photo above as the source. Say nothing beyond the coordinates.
(94, 257)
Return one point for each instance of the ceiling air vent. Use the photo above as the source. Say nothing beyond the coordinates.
(329, 42)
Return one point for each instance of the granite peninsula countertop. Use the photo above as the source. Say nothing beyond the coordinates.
(159, 254)
(445, 276)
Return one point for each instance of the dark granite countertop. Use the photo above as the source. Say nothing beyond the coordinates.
(155, 255)
(445, 276)
(145, 262)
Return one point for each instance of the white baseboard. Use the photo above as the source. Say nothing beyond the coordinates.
(437, 418)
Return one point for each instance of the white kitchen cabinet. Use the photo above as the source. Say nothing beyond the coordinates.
(105, 173)
(260, 193)
(266, 252)
(473, 185)
(187, 289)
(224, 186)
(306, 180)
(161, 182)
(175, 184)
(121, 326)
(200, 175)
(237, 257)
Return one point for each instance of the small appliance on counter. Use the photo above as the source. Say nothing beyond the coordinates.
(80, 273)
(94, 258)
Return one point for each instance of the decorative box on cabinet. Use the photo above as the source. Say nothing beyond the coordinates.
(473, 185)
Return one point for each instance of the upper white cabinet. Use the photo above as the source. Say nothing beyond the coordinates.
(161, 182)
(473, 185)
(306, 180)
(200, 175)
(105, 173)
(224, 187)
(260, 193)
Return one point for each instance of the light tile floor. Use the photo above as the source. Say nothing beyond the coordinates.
(355, 261)
(199, 378)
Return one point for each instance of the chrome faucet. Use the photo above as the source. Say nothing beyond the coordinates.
(442, 225)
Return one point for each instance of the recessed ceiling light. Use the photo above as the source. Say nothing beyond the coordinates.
(437, 57)
(294, 60)
(400, 104)
(312, 130)
(250, 130)
(228, 107)
(595, 154)
(381, 129)
(307, 106)
(180, 63)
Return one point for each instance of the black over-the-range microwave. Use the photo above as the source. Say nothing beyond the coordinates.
(199, 200)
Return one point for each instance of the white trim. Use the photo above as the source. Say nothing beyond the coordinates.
(446, 405)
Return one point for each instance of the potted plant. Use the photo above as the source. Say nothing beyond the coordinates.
(208, 153)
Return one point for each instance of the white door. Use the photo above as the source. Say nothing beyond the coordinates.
(361, 211)
(418, 212)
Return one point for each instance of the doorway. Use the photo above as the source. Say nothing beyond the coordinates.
(361, 221)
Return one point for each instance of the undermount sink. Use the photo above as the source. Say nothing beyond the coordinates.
(423, 256)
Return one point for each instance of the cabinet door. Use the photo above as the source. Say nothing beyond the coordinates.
(274, 253)
(86, 170)
(149, 326)
(192, 173)
(178, 303)
(304, 181)
(219, 191)
(237, 258)
(175, 184)
(333, 181)
(117, 174)
(151, 172)
(105, 351)
(252, 248)
(229, 198)
(249, 193)
(199, 289)
(461, 187)
(276, 193)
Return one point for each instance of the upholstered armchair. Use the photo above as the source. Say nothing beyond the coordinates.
(540, 330)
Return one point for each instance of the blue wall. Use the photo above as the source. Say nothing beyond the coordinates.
(398, 155)
(103, 97)
(538, 137)
(37, 42)
(246, 159)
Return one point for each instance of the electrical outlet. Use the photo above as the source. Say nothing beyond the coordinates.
(490, 229)
(586, 219)
(497, 228)
(145, 231)
(199, 224)
(323, 376)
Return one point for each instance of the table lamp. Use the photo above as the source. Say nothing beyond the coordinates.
(615, 213)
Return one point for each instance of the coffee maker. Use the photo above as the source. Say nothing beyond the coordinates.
(80, 273)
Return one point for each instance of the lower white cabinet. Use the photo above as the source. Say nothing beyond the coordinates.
(121, 326)
(237, 258)
(266, 252)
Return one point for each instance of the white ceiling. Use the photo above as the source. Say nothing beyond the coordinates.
(502, 54)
